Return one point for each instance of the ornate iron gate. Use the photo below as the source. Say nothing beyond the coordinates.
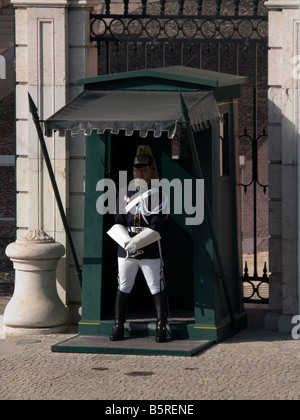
(222, 35)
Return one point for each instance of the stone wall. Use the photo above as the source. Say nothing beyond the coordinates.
(283, 168)
(52, 51)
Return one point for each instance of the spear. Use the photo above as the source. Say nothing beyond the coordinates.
(35, 117)
(190, 135)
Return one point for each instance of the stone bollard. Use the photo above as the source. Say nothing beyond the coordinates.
(35, 307)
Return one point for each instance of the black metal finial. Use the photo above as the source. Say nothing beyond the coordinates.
(144, 7)
(255, 6)
(126, 6)
(236, 7)
(181, 4)
(218, 6)
(199, 3)
(162, 7)
(107, 7)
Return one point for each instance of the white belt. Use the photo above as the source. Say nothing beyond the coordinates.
(139, 198)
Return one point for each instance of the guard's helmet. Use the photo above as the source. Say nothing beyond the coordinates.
(143, 158)
(140, 161)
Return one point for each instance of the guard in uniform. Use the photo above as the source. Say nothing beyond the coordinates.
(140, 217)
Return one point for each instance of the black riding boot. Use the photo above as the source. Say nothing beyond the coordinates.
(117, 333)
(161, 314)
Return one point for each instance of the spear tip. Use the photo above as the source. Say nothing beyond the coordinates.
(184, 108)
(32, 106)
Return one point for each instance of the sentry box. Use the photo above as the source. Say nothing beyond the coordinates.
(189, 118)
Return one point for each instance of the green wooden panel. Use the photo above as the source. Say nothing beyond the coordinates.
(93, 231)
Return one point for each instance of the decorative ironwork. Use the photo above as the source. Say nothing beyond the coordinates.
(184, 7)
(255, 287)
(187, 28)
(158, 28)
(230, 36)
(176, 30)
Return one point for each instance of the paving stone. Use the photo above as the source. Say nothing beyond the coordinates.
(253, 365)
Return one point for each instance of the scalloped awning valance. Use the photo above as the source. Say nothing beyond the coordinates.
(142, 111)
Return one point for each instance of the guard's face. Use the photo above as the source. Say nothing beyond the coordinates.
(144, 173)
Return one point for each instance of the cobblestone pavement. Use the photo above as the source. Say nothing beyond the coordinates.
(253, 365)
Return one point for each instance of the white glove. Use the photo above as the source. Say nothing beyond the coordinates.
(142, 239)
(120, 234)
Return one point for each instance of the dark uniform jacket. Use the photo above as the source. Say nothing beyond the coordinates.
(153, 221)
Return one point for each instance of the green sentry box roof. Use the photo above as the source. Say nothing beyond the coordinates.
(163, 78)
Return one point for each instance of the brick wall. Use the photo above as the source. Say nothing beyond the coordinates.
(7, 178)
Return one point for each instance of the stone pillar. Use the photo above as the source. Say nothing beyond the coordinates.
(35, 307)
(283, 168)
(53, 49)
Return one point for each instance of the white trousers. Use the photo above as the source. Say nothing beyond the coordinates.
(128, 270)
